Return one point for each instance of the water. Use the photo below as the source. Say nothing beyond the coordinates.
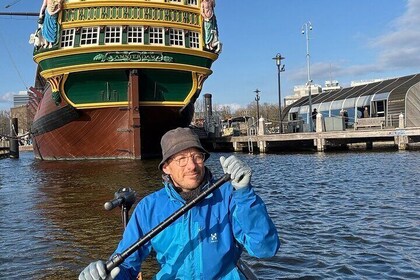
(340, 216)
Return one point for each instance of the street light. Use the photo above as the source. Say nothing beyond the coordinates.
(257, 98)
(280, 68)
(305, 30)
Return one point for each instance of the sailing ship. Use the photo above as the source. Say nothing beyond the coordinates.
(113, 76)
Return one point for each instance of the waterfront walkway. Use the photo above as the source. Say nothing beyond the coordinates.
(402, 138)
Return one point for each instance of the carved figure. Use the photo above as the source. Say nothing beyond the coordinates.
(48, 16)
(37, 40)
(215, 44)
(211, 38)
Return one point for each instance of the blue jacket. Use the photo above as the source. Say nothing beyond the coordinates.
(207, 241)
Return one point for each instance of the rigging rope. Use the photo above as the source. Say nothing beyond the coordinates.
(13, 138)
(12, 3)
(12, 60)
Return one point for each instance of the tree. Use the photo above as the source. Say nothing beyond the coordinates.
(4, 122)
(24, 116)
(270, 112)
(267, 111)
(224, 111)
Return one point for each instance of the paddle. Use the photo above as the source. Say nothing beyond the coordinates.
(118, 259)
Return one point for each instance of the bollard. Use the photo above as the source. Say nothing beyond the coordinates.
(401, 120)
(261, 126)
(320, 124)
(320, 127)
(402, 140)
(14, 143)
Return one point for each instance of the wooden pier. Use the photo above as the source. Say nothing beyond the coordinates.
(401, 138)
(4, 149)
(320, 141)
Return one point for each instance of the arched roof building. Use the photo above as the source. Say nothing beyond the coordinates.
(387, 99)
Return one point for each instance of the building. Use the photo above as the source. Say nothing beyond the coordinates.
(22, 112)
(386, 99)
(301, 91)
(331, 85)
(20, 99)
(24, 116)
(365, 82)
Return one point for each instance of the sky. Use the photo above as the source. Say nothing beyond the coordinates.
(350, 40)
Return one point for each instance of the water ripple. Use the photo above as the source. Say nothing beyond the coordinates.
(339, 216)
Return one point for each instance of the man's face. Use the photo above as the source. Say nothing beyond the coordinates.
(191, 175)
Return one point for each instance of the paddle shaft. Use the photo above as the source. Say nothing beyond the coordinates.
(118, 259)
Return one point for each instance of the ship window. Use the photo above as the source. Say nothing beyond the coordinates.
(135, 34)
(89, 36)
(194, 40)
(67, 38)
(113, 34)
(156, 35)
(176, 37)
(192, 2)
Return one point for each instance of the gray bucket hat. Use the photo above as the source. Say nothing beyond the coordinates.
(177, 140)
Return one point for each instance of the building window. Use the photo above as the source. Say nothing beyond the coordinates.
(67, 38)
(156, 35)
(194, 40)
(176, 1)
(89, 36)
(192, 2)
(176, 37)
(113, 34)
(135, 35)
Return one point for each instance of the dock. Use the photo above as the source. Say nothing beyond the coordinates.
(4, 149)
(7, 150)
(402, 138)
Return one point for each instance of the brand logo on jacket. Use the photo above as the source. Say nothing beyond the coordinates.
(213, 237)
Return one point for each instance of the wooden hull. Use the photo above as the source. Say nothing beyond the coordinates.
(94, 135)
(102, 133)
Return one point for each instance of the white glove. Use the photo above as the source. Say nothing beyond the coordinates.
(96, 271)
(239, 171)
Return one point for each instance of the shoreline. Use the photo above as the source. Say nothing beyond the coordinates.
(25, 148)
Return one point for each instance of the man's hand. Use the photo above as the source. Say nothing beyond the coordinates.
(239, 171)
(96, 271)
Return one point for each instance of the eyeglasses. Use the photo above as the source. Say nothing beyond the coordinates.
(198, 158)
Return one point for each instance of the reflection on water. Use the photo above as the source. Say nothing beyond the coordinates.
(340, 216)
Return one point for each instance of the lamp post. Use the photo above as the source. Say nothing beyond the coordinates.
(280, 68)
(305, 30)
(257, 98)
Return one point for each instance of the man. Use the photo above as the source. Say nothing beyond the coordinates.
(346, 118)
(366, 113)
(314, 113)
(207, 241)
